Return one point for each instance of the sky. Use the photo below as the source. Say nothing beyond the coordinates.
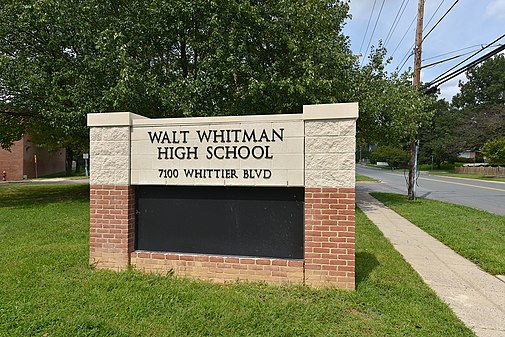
(470, 24)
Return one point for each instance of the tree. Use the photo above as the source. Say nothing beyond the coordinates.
(475, 115)
(437, 139)
(495, 151)
(391, 110)
(485, 85)
(60, 60)
(481, 104)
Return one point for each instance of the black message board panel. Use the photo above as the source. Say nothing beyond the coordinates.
(243, 221)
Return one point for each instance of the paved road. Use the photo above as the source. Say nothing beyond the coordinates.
(63, 181)
(489, 196)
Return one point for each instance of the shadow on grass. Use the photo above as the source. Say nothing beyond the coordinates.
(26, 196)
(391, 198)
(365, 264)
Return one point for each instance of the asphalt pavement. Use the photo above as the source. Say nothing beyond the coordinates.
(481, 194)
(48, 181)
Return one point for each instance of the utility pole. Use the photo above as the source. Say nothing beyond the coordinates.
(415, 82)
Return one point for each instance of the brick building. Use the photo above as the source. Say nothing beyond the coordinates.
(19, 162)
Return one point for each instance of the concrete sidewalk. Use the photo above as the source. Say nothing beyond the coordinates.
(475, 296)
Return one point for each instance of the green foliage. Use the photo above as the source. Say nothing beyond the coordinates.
(60, 60)
(495, 151)
(475, 116)
(394, 156)
(438, 142)
(391, 109)
(481, 105)
(48, 288)
(485, 86)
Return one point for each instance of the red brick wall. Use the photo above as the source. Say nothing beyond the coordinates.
(330, 237)
(48, 162)
(112, 226)
(12, 162)
(20, 160)
(220, 268)
(329, 243)
(329, 250)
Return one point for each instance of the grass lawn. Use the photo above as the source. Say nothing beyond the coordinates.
(48, 289)
(360, 177)
(477, 235)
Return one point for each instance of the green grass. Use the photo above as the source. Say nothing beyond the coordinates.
(477, 235)
(47, 287)
(360, 177)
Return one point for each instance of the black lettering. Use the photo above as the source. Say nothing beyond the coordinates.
(218, 136)
(221, 157)
(235, 135)
(264, 136)
(162, 152)
(180, 152)
(154, 137)
(267, 154)
(193, 152)
(280, 135)
(174, 138)
(203, 135)
(249, 137)
(184, 136)
(231, 152)
(209, 152)
(241, 153)
(165, 138)
(255, 153)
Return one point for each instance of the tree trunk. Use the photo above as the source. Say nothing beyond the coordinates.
(78, 163)
(68, 161)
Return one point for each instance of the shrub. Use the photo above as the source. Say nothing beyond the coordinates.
(394, 156)
(495, 151)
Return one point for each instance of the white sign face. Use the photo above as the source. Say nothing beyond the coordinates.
(235, 154)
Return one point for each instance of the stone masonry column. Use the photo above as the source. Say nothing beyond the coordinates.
(112, 199)
(330, 195)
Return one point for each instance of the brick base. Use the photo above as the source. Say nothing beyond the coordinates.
(220, 268)
(330, 237)
(112, 226)
(329, 245)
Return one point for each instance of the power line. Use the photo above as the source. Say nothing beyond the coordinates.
(373, 31)
(440, 20)
(452, 52)
(452, 57)
(445, 60)
(433, 15)
(441, 76)
(395, 23)
(431, 85)
(367, 25)
(403, 37)
(409, 55)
